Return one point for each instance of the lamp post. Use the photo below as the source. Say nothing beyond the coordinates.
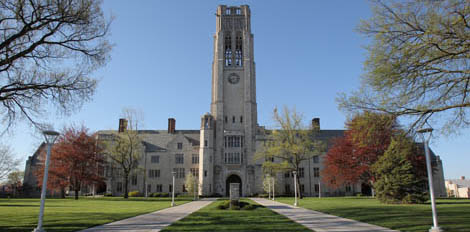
(269, 186)
(195, 184)
(50, 137)
(173, 190)
(274, 180)
(295, 187)
(319, 189)
(435, 227)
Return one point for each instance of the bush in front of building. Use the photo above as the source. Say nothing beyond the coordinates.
(236, 205)
(135, 194)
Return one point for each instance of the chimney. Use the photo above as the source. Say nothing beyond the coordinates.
(316, 124)
(171, 125)
(462, 177)
(122, 125)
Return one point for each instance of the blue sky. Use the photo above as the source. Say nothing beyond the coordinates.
(306, 52)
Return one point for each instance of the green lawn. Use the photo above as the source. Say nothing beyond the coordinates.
(453, 214)
(210, 218)
(71, 215)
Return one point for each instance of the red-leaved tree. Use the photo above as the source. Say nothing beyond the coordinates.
(338, 164)
(76, 161)
(350, 158)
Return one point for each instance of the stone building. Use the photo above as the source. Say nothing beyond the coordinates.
(222, 150)
(459, 188)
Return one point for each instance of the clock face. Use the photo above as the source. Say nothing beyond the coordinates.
(233, 78)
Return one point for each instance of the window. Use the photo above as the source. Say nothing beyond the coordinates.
(159, 188)
(238, 11)
(302, 188)
(155, 159)
(228, 49)
(316, 172)
(179, 172)
(195, 172)
(232, 157)
(233, 141)
(119, 187)
(134, 180)
(205, 143)
(227, 11)
(195, 158)
(238, 50)
(241, 119)
(287, 174)
(316, 159)
(179, 158)
(149, 188)
(205, 173)
(301, 172)
(233, 119)
(287, 188)
(317, 188)
(154, 173)
(180, 146)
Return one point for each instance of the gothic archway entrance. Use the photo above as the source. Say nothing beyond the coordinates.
(232, 179)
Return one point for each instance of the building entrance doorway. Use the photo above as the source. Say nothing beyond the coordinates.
(232, 179)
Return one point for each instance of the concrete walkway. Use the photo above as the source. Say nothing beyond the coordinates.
(153, 221)
(319, 221)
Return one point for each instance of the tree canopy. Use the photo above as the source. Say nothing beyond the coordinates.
(417, 64)
(289, 144)
(401, 173)
(350, 157)
(76, 160)
(48, 51)
(125, 149)
(8, 163)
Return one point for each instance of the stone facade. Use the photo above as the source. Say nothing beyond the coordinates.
(222, 151)
(459, 188)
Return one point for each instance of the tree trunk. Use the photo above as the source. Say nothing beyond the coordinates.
(126, 190)
(62, 192)
(76, 194)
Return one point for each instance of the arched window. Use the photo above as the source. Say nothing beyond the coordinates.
(238, 50)
(228, 50)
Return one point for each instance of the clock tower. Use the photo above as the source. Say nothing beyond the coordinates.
(233, 107)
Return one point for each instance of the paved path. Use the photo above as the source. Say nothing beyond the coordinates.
(153, 221)
(319, 221)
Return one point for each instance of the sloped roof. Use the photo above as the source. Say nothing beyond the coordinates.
(157, 140)
(461, 183)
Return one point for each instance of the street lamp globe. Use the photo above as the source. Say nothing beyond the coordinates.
(50, 136)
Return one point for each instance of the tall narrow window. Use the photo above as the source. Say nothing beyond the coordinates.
(228, 49)
(238, 50)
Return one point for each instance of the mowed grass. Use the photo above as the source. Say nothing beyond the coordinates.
(453, 214)
(210, 218)
(71, 215)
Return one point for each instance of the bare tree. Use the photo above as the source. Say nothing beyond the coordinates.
(48, 50)
(8, 163)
